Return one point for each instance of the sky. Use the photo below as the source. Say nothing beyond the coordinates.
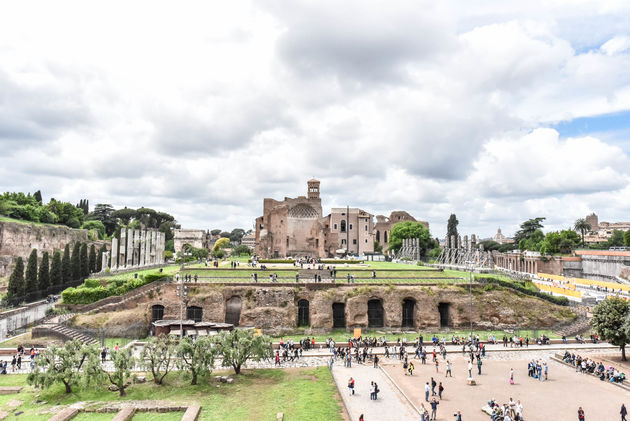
(495, 111)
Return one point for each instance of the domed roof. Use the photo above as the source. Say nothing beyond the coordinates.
(302, 211)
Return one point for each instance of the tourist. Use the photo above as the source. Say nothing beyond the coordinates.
(372, 391)
(19, 362)
(330, 364)
(103, 354)
(470, 367)
(519, 410)
(479, 366)
(361, 417)
(440, 390)
(623, 412)
(448, 369)
(424, 414)
(277, 358)
(376, 390)
(436, 365)
(116, 347)
(427, 389)
(511, 376)
(458, 416)
(434, 405)
(433, 384)
(351, 386)
(580, 414)
(411, 368)
(375, 360)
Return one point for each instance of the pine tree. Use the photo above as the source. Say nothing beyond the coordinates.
(99, 259)
(16, 281)
(75, 261)
(38, 196)
(43, 278)
(30, 277)
(56, 275)
(92, 259)
(66, 268)
(85, 264)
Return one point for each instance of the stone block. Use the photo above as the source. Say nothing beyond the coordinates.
(9, 390)
(192, 413)
(125, 414)
(64, 415)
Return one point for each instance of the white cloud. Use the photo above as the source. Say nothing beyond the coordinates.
(205, 108)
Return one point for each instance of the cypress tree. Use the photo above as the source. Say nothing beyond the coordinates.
(30, 277)
(92, 259)
(16, 281)
(75, 261)
(85, 267)
(56, 276)
(43, 279)
(66, 268)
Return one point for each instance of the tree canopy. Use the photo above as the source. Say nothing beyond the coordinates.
(609, 319)
(410, 229)
(240, 345)
(528, 229)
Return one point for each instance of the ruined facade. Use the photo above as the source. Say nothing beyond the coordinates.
(384, 226)
(196, 238)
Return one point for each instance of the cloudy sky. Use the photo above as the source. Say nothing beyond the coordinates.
(496, 111)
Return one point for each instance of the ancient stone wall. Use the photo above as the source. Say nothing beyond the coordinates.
(275, 308)
(18, 239)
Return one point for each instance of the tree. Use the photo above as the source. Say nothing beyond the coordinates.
(125, 215)
(16, 280)
(236, 235)
(582, 226)
(30, 277)
(528, 228)
(56, 277)
(215, 232)
(85, 263)
(105, 214)
(38, 196)
(616, 239)
(220, 244)
(158, 355)
(76, 261)
(123, 363)
(626, 238)
(409, 229)
(197, 356)
(451, 230)
(72, 364)
(378, 248)
(92, 259)
(489, 245)
(225, 234)
(608, 321)
(66, 267)
(95, 225)
(43, 278)
(240, 250)
(239, 345)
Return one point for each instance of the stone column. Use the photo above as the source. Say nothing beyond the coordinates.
(161, 244)
(143, 237)
(147, 248)
(122, 260)
(473, 241)
(129, 248)
(114, 265)
(104, 262)
(152, 253)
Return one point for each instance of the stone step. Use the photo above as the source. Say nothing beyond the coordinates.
(64, 415)
(125, 414)
(192, 413)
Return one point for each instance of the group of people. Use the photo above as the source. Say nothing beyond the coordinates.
(374, 390)
(585, 365)
(16, 361)
(538, 370)
(510, 411)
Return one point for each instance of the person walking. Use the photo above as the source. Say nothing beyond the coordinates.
(623, 412)
(351, 386)
(433, 384)
(427, 389)
(372, 391)
(376, 361)
(448, 369)
(581, 414)
(436, 366)
(479, 366)
(440, 390)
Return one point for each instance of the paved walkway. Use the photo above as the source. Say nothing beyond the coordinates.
(390, 405)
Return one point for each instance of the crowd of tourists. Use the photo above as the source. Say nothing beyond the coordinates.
(510, 411)
(18, 358)
(584, 365)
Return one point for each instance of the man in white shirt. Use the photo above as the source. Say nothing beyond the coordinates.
(470, 367)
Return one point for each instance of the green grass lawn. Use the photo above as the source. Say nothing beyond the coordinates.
(256, 394)
(166, 270)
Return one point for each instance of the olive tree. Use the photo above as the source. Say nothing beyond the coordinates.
(197, 357)
(158, 356)
(123, 363)
(71, 364)
(240, 345)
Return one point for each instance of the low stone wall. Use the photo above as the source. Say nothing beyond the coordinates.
(22, 316)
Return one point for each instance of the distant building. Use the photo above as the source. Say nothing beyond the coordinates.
(354, 229)
(384, 226)
(502, 239)
(196, 238)
(602, 231)
(249, 240)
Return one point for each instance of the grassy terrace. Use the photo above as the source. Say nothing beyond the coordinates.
(341, 335)
(298, 393)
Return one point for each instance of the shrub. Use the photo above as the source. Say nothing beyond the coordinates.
(522, 287)
(91, 289)
(91, 283)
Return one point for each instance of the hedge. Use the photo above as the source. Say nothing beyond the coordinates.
(275, 261)
(91, 290)
(520, 287)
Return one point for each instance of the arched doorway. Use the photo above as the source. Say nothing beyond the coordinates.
(445, 317)
(233, 310)
(303, 313)
(408, 310)
(375, 313)
(194, 313)
(157, 312)
(339, 315)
